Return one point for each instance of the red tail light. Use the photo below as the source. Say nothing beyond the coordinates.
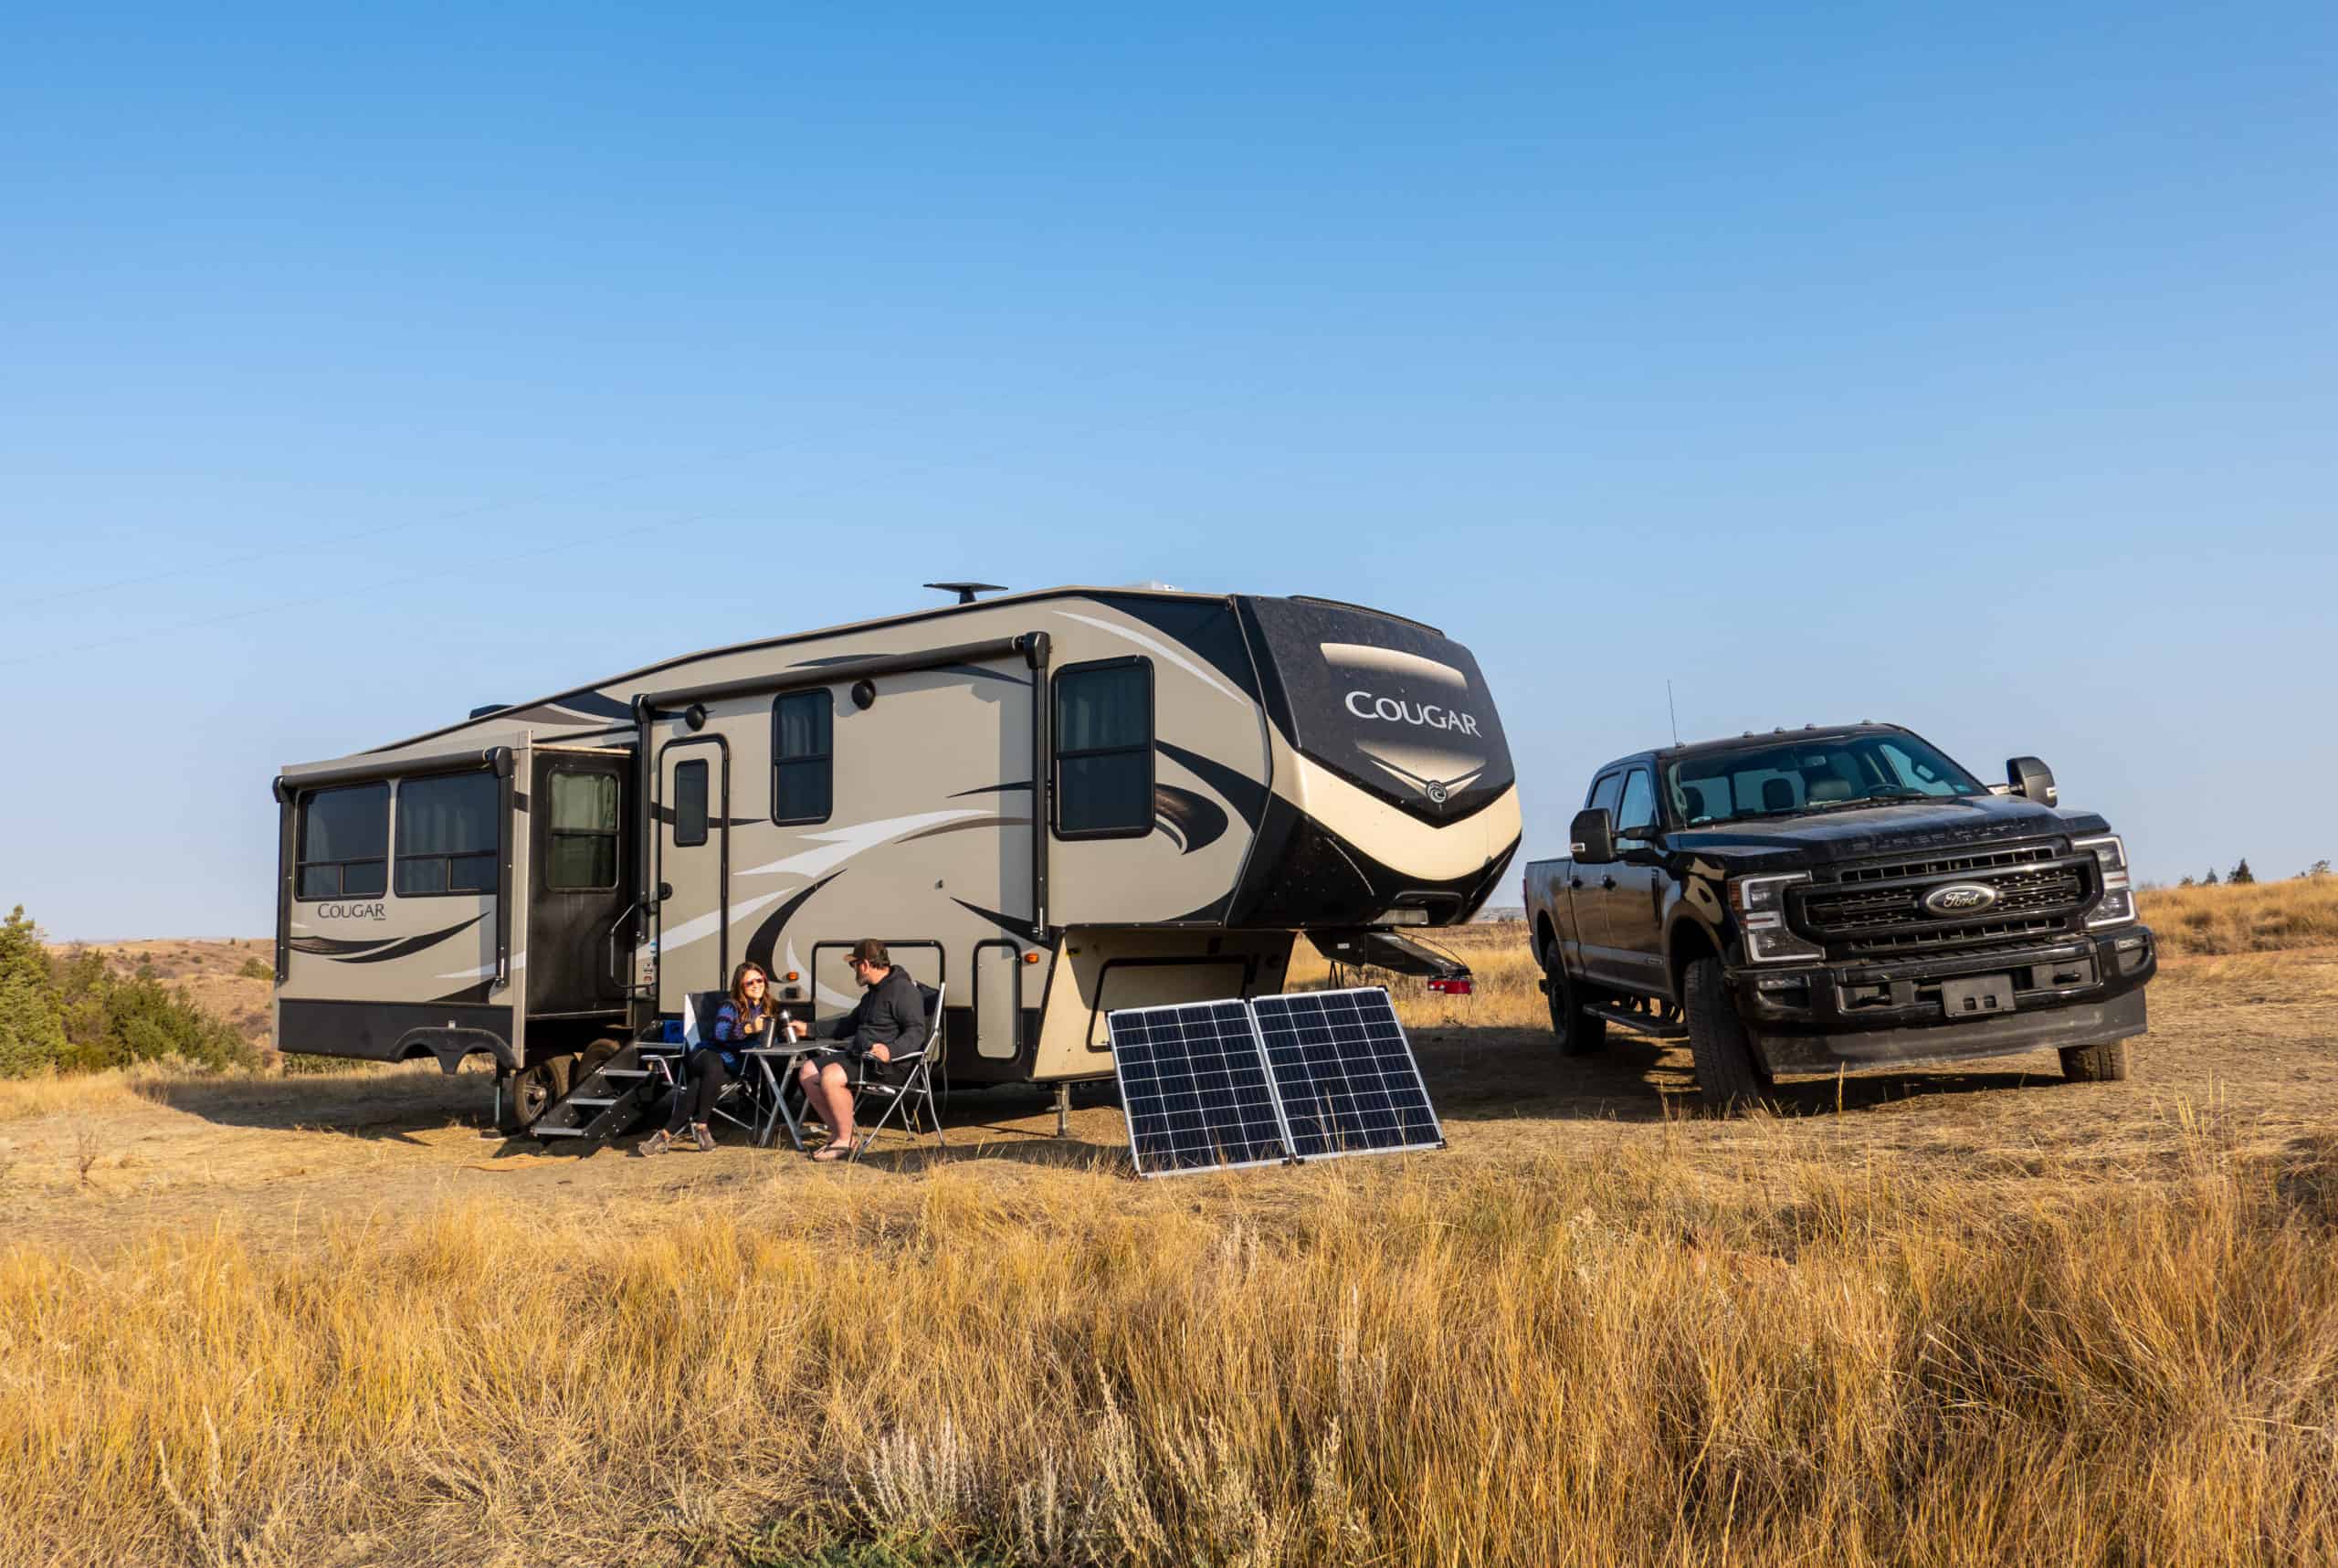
(1459, 988)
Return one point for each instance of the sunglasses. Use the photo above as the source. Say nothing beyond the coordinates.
(752, 980)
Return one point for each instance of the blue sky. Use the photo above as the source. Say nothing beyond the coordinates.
(1971, 367)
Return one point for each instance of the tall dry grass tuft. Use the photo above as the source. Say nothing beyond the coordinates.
(1632, 1360)
(2256, 917)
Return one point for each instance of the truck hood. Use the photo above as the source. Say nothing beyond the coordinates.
(1885, 829)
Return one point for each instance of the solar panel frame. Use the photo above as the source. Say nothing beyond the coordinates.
(1374, 1099)
(1137, 1034)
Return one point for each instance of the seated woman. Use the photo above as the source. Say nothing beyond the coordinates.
(743, 1016)
(891, 1018)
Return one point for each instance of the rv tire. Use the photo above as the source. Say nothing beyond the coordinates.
(537, 1089)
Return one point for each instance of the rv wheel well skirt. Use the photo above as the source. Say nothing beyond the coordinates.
(452, 1046)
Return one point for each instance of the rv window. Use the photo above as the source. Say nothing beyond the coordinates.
(582, 854)
(1104, 744)
(689, 802)
(344, 843)
(448, 837)
(802, 756)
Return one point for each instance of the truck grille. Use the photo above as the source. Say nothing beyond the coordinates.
(1877, 909)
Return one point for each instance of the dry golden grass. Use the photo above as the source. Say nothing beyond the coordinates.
(1957, 1322)
(1644, 1359)
(2260, 917)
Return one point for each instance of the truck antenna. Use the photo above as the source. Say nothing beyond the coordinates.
(1670, 708)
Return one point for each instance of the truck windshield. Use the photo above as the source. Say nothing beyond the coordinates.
(1819, 774)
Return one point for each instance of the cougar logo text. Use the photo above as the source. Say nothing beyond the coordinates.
(1364, 705)
(350, 912)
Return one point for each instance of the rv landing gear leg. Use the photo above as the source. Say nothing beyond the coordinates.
(1063, 1108)
(494, 1128)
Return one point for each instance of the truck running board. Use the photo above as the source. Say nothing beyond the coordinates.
(613, 1098)
(1665, 1028)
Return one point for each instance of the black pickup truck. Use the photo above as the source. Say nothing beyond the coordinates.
(1812, 898)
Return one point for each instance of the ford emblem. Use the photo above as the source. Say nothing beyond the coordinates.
(1960, 899)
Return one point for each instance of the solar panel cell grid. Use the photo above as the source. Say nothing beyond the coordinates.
(1194, 1089)
(1345, 1074)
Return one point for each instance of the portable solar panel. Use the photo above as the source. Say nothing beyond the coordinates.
(1345, 1073)
(1309, 1076)
(1195, 1090)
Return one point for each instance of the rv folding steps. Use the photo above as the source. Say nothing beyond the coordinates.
(609, 1099)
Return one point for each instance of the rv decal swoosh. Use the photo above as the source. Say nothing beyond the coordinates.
(414, 944)
(1162, 648)
(1247, 795)
(837, 844)
(1007, 923)
(992, 789)
(337, 947)
(1194, 822)
(766, 937)
(969, 826)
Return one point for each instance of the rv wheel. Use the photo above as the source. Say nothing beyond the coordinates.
(535, 1089)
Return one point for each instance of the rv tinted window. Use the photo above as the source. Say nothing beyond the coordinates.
(1104, 744)
(344, 843)
(447, 835)
(689, 802)
(802, 756)
(580, 854)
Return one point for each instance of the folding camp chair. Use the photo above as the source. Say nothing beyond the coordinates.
(743, 1102)
(914, 1091)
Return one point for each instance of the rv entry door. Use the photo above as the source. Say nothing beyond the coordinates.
(581, 887)
(692, 868)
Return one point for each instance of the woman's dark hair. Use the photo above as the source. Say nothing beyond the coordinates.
(738, 987)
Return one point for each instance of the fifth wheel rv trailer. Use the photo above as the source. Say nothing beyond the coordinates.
(1058, 802)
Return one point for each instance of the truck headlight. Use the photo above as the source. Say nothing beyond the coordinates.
(1761, 906)
(2117, 906)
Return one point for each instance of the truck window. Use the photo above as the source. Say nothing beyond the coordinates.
(1603, 793)
(1639, 809)
(344, 843)
(448, 835)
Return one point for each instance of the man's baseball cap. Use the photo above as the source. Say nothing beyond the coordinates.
(869, 951)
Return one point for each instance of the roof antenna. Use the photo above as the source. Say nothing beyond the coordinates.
(1672, 710)
(967, 590)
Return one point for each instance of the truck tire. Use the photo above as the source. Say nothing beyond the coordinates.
(1727, 1075)
(1578, 1033)
(2095, 1064)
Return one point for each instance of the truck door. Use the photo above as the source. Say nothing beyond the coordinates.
(1635, 931)
(692, 868)
(1586, 891)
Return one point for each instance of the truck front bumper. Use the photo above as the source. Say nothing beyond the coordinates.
(2079, 991)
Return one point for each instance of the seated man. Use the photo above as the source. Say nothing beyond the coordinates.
(891, 1017)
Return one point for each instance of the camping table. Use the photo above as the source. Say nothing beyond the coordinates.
(777, 1064)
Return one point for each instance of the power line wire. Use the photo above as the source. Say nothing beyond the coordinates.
(461, 515)
(371, 590)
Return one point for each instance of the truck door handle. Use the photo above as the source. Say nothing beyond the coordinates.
(1607, 882)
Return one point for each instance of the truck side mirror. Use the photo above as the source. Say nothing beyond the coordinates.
(1594, 832)
(2032, 780)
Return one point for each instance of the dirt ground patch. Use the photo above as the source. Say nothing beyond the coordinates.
(2247, 1044)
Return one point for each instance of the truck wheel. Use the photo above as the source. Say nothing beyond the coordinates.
(2095, 1064)
(1727, 1075)
(1578, 1033)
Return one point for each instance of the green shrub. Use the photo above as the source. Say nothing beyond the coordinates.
(256, 969)
(76, 1014)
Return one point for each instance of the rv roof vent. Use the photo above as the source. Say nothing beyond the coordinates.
(967, 590)
(481, 713)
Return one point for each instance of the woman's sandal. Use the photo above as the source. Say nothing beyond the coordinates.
(832, 1153)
